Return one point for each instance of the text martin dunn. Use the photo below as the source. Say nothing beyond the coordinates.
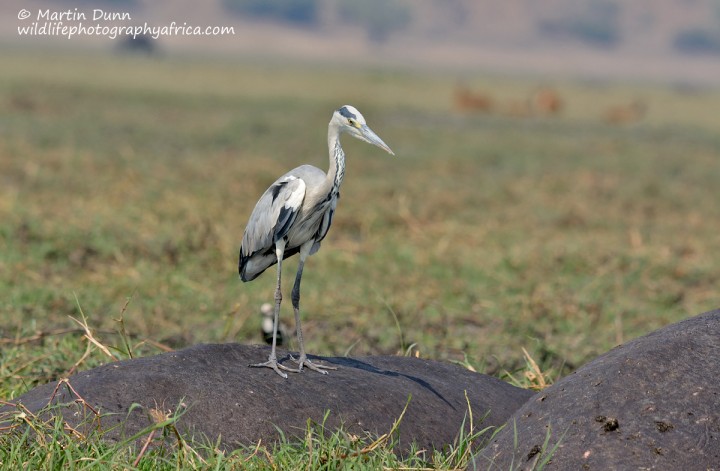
(75, 15)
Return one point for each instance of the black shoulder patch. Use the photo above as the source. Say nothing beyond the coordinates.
(286, 218)
(276, 189)
(345, 112)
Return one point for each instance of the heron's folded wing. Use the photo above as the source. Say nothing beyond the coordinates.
(324, 226)
(287, 205)
(273, 215)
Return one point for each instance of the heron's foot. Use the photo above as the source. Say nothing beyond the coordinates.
(273, 363)
(304, 361)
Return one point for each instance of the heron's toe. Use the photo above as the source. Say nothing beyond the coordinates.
(273, 363)
(304, 361)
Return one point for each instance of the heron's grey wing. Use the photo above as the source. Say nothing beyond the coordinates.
(324, 225)
(270, 221)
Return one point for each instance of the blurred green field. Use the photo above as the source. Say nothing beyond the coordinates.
(125, 178)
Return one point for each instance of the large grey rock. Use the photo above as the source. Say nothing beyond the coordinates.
(653, 403)
(225, 398)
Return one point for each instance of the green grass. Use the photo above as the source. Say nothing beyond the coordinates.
(51, 444)
(125, 185)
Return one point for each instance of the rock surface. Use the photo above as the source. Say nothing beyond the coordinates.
(653, 403)
(222, 397)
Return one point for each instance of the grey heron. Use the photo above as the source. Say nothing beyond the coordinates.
(292, 217)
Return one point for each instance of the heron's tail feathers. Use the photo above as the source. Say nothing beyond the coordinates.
(252, 266)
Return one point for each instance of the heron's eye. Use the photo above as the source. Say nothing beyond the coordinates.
(351, 122)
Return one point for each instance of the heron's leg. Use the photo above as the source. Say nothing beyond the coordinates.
(303, 359)
(272, 359)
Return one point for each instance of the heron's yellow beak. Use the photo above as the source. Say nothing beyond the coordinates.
(368, 135)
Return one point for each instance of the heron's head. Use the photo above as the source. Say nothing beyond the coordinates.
(348, 119)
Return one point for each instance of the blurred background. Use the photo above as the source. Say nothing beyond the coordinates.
(554, 190)
(666, 40)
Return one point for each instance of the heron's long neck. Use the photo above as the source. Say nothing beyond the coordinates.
(336, 173)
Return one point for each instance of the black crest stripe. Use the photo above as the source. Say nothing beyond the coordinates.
(345, 112)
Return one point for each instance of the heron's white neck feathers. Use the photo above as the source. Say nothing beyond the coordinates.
(339, 158)
(336, 173)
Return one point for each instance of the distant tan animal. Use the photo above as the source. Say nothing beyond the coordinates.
(625, 114)
(467, 100)
(546, 101)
